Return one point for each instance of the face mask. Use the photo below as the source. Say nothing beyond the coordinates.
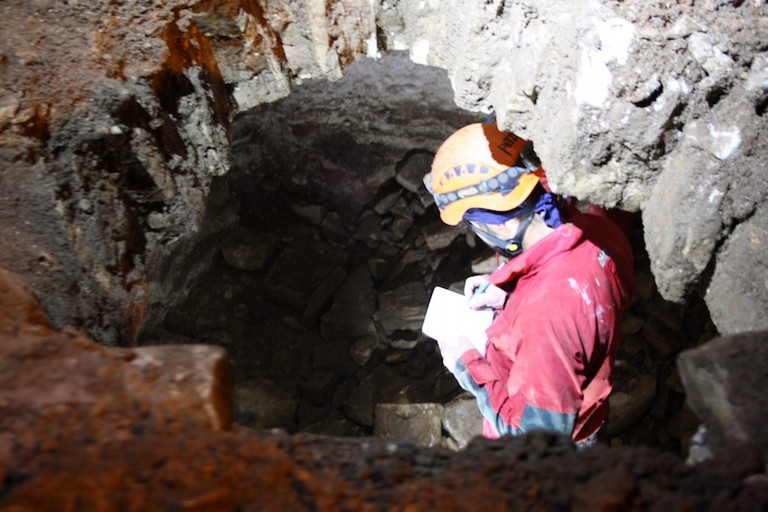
(513, 246)
(546, 206)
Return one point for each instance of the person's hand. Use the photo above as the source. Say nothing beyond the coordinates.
(452, 349)
(492, 297)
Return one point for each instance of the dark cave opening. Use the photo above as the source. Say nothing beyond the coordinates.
(318, 287)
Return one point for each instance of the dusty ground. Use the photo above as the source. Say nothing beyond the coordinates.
(84, 427)
(248, 471)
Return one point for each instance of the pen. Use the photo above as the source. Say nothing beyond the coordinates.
(481, 289)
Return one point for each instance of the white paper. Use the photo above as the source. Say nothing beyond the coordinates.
(448, 315)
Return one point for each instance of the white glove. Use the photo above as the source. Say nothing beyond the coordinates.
(452, 350)
(449, 360)
(492, 297)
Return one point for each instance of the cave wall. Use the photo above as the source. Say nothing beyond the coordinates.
(112, 140)
(113, 126)
(114, 122)
(657, 106)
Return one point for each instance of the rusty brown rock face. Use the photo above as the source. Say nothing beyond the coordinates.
(60, 381)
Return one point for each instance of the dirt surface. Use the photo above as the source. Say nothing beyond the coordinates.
(82, 428)
(249, 471)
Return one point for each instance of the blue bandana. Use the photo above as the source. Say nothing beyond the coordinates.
(546, 205)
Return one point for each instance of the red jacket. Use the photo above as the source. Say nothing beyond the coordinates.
(551, 351)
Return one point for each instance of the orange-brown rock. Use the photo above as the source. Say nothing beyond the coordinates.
(60, 381)
(84, 427)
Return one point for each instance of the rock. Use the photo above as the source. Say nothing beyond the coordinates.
(737, 295)
(698, 450)
(426, 200)
(322, 296)
(63, 376)
(362, 349)
(462, 420)
(631, 325)
(399, 229)
(674, 382)
(485, 265)
(660, 406)
(689, 184)
(383, 385)
(19, 310)
(646, 91)
(439, 236)
(411, 256)
(334, 230)
(245, 249)
(351, 315)
(631, 346)
(314, 214)
(402, 343)
(241, 310)
(418, 208)
(724, 381)
(404, 209)
(360, 404)
(335, 428)
(716, 63)
(446, 385)
(261, 404)
(669, 314)
(661, 338)
(195, 376)
(435, 259)
(341, 394)
(295, 324)
(628, 404)
(387, 202)
(411, 170)
(402, 309)
(334, 357)
(644, 286)
(319, 387)
(291, 281)
(379, 268)
(9, 106)
(368, 227)
(417, 424)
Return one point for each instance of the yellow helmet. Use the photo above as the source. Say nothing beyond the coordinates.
(482, 167)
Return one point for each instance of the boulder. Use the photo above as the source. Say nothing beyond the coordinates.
(403, 308)
(351, 315)
(725, 384)
(245, 249)
(462, 420)
(417, 424)
(262, 404)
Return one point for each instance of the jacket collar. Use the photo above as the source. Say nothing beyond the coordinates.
(564, 238)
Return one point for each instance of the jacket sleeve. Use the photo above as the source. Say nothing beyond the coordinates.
(542, 390)
(481, 391)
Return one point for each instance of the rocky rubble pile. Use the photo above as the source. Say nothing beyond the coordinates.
(322, 315)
